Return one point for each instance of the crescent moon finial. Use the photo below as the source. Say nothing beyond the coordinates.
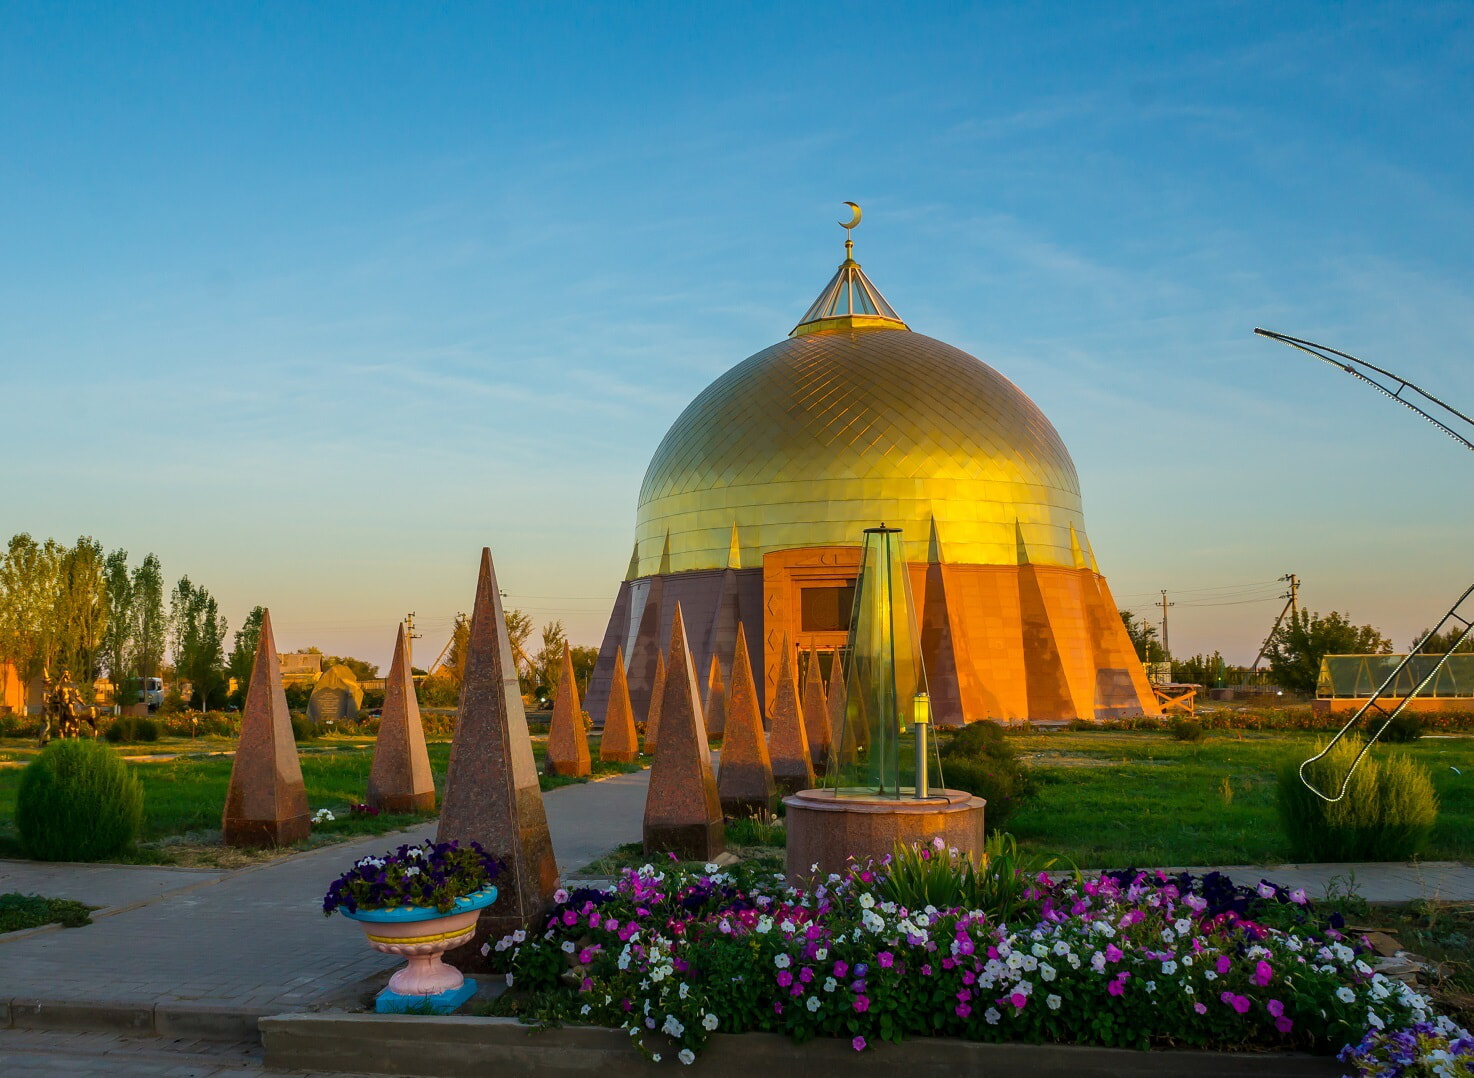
(855, 216)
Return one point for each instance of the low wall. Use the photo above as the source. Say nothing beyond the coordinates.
(455, 1046)
(1347, 705)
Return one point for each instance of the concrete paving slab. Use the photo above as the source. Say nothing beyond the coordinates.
(105, 886)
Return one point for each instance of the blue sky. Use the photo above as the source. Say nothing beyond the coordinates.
(315, 301)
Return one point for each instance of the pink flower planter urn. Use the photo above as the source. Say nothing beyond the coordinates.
(421, 935)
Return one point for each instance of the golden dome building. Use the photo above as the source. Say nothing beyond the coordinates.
(753, 508)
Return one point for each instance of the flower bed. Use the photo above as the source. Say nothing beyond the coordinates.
(1124, 959)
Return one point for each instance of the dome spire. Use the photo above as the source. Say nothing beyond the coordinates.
(849, 300)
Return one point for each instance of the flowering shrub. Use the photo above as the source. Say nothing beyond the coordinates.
(1294, 717)
(363, 810)
(1437, 1049)
(433, 874)
(323, 816)
(1127, 959)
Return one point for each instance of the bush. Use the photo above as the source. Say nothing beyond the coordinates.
(26, 726)
(303, 729)
(1386, 815)
(1187, 730)
(132, 728)
(78, 802)
(1403, 729)
(981, 760)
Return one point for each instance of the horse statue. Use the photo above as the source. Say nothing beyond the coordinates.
(63, 704)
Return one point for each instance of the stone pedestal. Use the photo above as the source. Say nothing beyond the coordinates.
(400, 779)
(491, 787)
(266, 803)
(620, 743)
(830, 831)
(788, 740)
(683, 813)
(568, 742)
(745, 780)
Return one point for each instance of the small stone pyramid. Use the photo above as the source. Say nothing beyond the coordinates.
(568, 742)
(682, 811)
(816, 716)
(716, 701)
(620, 743)
(400, 779)
(745, 780)
(265, 803)
(835, 705)
(788, 741)
(657, 697)
(491, 789)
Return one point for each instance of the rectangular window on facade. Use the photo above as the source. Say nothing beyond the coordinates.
(826, 609)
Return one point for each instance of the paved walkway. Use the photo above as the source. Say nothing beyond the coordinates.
(177, 949)
(1388, 882)
(30, 1053)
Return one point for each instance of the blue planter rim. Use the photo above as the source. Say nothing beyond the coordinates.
(474, 901)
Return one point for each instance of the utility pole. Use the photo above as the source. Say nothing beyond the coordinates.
(1291, 607)
(1166, 646)
(410, 636)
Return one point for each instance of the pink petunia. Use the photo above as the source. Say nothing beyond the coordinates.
(1263, 973)
(785, 978)
(963, 1010)
(861, 1004)
(858, 1044)
(886, 959)
(1200, 1008)
(1114, 953)
(1275, 1008)
(1223, 964)
(1018, 999)
(1284, 1025)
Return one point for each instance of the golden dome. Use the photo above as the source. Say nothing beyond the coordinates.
(835, 430)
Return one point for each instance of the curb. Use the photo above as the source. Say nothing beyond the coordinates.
(462, 1047)
(194, 1021)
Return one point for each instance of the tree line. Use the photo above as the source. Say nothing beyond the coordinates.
(1294, 652)
(91, 612)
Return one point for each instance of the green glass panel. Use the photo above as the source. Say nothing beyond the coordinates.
(875, 755)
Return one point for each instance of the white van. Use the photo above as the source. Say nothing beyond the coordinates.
(152, 693)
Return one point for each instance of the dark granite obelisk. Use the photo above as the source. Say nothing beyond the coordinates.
(265, 803)
(491, 788)
(716, 701)
(816, 716)
(621, 742)
(568, 742)
(788, 741)
(745, 778)
(657, 698)
(683, 814)
(400, 779)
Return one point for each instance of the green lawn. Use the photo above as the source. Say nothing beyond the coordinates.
(1115, 799)
(185, 796)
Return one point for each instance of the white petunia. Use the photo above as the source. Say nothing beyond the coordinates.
(709, 1022)
(686, 1056)
(1053, 1002)
(782, 961)
(569, 947)
(812, 1003)
(1345, 995)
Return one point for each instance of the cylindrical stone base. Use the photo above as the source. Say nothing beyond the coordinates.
(830, 831)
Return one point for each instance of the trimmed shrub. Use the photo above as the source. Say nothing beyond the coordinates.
(981, 760)
(1403, 729)
(1187, 730)
(132, 728)
(1387, 813)
(78, 802)
(303, 729)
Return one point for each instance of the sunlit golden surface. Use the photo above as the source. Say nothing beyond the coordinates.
(811, 441)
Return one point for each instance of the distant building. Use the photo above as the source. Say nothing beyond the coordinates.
(300, 665)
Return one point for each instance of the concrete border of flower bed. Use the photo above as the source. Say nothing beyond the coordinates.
(460, 1047)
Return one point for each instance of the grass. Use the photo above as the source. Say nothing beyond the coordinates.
(749, 840)
(184, 796)
(1114, 799)
(19, 912)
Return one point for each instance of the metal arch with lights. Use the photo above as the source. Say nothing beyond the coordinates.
(1356, 368)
